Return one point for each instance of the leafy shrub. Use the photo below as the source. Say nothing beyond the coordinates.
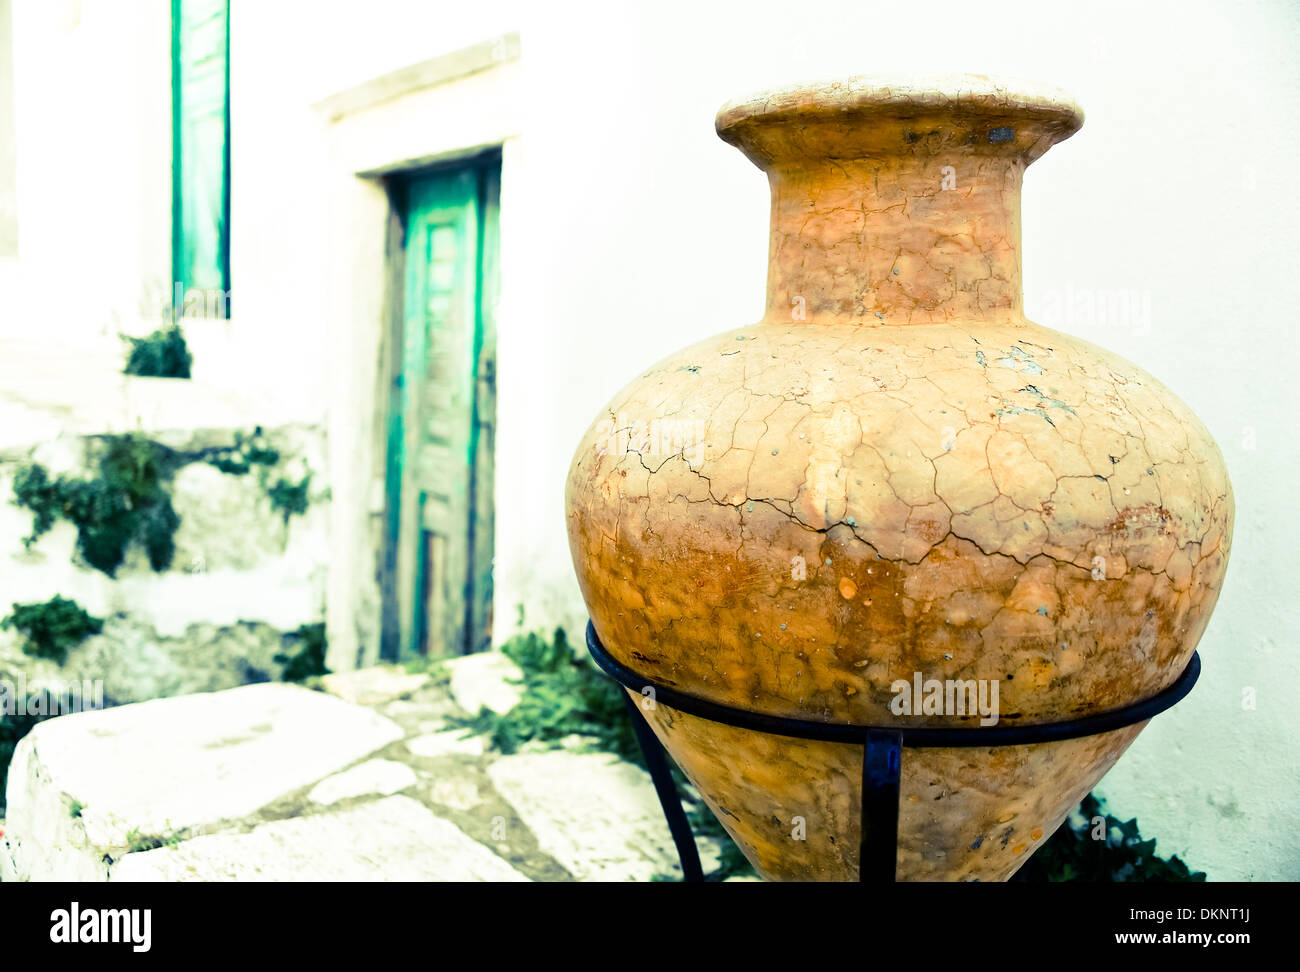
(239, 458)
(53, 627)
(563, 695)
(163, 354)
(1073, 854)
(309, 660)
(289, 498)
(128, 502)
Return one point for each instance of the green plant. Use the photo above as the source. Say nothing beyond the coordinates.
(289, 498)
(129, 501)
(250, 451)
(565, 695)
(163, 354)
(126, 503)
(1102, 848)
(239, 458)
(309, 660)
(17, 721)
(52, 627)
(136, 841)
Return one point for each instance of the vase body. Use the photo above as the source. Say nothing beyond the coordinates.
(894, 474)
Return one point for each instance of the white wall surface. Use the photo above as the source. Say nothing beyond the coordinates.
(1180, 188)
(641, 232)
(92, 103)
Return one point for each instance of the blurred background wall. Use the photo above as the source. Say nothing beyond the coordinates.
(629, 230)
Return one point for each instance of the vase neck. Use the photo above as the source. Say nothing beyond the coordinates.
(897, 202)
(911, 240)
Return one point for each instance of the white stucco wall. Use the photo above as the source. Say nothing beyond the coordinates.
(92, 111)
(636, 231)
(1179, 188)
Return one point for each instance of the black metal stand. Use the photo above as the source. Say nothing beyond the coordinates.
(882, 757)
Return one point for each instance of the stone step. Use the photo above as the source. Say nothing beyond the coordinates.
(88, 786)
(278, 783)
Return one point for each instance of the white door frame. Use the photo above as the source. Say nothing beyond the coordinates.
(451, 106)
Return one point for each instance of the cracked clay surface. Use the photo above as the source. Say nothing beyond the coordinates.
(895, 472)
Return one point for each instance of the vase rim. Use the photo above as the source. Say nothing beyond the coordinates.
(907, 94)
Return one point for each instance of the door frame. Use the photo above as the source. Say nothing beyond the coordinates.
(448, 108)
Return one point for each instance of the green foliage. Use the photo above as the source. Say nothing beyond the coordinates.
(254, 451)
(136, 841)
(52, 627)
(163, 354)
(1072, 854)
(566, 695)
(563, 695)
(435, 668)
(309, 660)
(34, 489)
(14, 726)
(240, 458)
(130, 500)
(289, 498)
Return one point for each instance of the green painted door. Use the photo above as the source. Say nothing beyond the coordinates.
(443, 411)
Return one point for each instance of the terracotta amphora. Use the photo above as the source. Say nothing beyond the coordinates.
(895, 478)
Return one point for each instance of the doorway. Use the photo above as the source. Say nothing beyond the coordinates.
(442, 411)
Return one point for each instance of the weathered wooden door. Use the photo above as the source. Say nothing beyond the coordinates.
(443, 411)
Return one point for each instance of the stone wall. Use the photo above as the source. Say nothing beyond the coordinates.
(243, 574)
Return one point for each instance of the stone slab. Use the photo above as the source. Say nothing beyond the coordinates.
(394, 839)
(373, 686)
(379, 777)
(456, 793)
(486, 680)
(596, 815)
(81, 785)
(449, 742)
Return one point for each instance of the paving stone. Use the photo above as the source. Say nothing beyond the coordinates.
(80, 784)
(488, 679)
(457, 793)
(416, 711)
(203, 768)
(381, 777)
(373, 686)
(393, 839)
(573, 742)
(450, 742)
(596, 815)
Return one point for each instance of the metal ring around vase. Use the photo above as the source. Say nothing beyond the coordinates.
(882, 746)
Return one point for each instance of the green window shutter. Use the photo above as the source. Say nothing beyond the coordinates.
(201, 146)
